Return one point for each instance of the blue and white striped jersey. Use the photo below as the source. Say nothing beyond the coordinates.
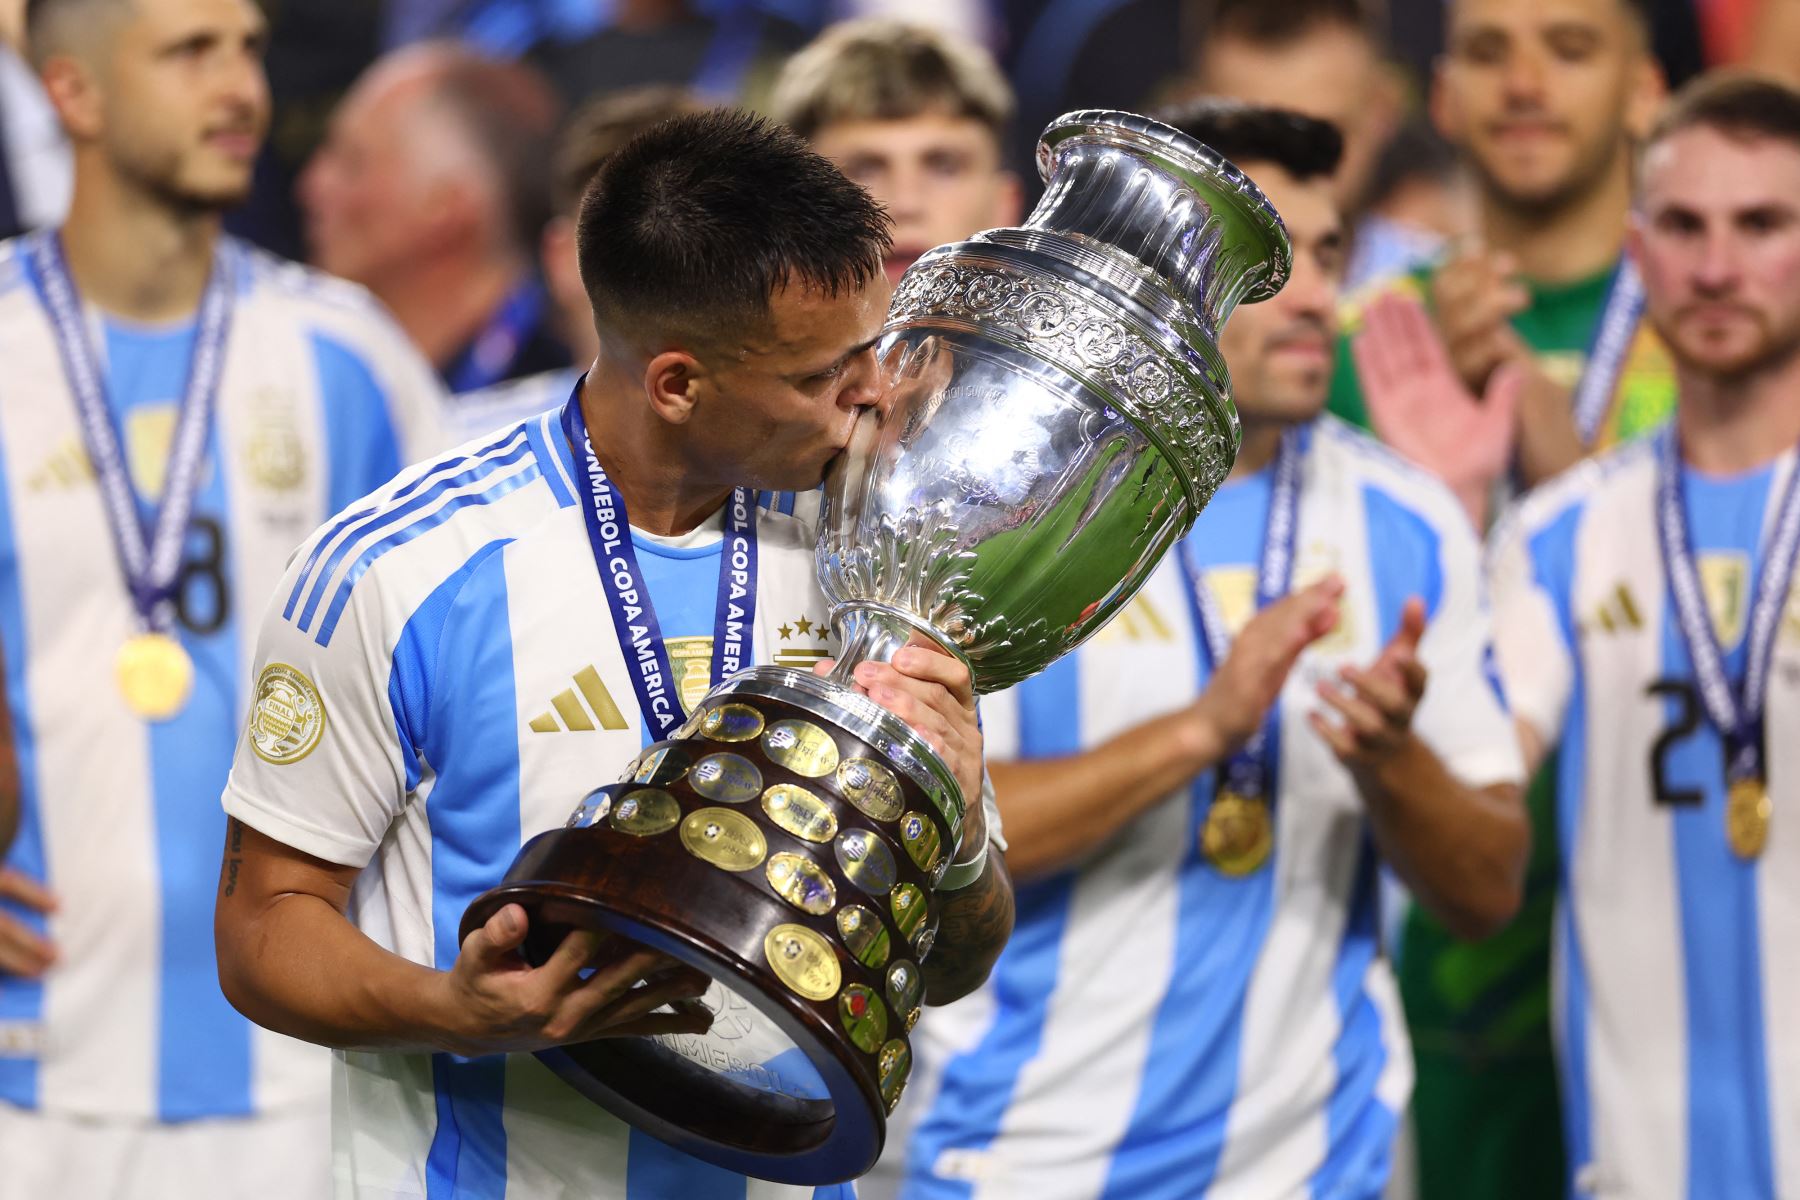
(439, 682)
(1155, 1029)
(1675, 959)
(321, 400)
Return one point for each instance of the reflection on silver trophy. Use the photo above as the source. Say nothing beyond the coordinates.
(1057, 416)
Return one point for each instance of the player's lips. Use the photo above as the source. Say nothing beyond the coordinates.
(1305, 342)
(1526, 131)
(1715, 312)
(241, 144)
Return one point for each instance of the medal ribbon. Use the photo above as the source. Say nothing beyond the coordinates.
(1620, 313)
(1737, 716)
(150, 558)
(490, 353)
(633, 613)
(1247, 771)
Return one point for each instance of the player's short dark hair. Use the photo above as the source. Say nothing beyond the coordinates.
(1736, 103)
(1274, 23)
(600, 128)
(509, 114)
(1639, 11)
(50, 25)
(692, 226)
(1305, 147)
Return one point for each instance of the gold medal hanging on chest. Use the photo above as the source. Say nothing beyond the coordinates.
(1239, 833)
(154, 674)
(1747, 812)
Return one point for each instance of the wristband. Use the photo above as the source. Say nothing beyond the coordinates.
(960, 875)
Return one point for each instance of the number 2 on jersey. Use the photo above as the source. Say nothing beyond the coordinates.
(1687, 720)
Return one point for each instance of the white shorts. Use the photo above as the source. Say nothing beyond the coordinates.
(286, 1156)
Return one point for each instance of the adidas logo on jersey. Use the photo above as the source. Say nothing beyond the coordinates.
(1619, 611)
(568, 713)
(67, 467)
(1140, 621)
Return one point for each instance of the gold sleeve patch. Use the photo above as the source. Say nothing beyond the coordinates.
(289, 716)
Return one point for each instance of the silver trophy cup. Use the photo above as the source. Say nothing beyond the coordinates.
(1057, 416)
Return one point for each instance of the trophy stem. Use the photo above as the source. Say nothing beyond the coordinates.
(872, 632)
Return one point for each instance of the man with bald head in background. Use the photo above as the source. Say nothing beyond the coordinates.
(430, 192)
(178, 410)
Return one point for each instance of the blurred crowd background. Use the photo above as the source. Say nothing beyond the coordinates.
(415, 143)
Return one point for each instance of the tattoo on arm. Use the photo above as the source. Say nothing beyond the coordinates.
(973, 926)
(234, 857)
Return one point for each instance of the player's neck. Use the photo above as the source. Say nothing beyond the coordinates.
(644, 464)
(1261, 441)
(1729, 426)
(1580, 239)
(134, 254)
(442, 303)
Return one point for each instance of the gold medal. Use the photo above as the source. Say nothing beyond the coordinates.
(1238, 834)
(155, 675)
(1747, 811)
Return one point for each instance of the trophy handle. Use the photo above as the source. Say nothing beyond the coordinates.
(870, 631)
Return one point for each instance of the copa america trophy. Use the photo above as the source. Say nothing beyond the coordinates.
(1058, 414)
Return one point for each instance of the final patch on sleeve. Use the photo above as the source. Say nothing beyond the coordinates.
(289, 716)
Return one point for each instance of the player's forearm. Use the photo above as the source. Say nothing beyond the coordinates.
(290, 960)
(973, 925)
(299, 967)
(1548, 441)
(1057, 810)
(1462, 850)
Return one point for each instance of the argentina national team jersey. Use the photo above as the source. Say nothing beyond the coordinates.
(321, 400)
(1676, 979)
(1156, 1030)
(439, 681)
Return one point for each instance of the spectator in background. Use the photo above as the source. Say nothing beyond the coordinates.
(1648, 629)
(591, 136)
(1533, 352)
(34, 155)
(1545, 99)
(913, 115)
(431, 192)
(725, 53)
(1323, 58)
(164, 385)
(1418, 201)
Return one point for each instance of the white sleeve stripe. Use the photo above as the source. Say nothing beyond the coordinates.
(366, 517)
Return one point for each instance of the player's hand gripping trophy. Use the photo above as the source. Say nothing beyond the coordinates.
(1058, 414)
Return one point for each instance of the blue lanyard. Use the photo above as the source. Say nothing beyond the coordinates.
(490, 354)
(1620, 313)
(149, 557)
(1248, 771)
(1737, 716)
(627, 595)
